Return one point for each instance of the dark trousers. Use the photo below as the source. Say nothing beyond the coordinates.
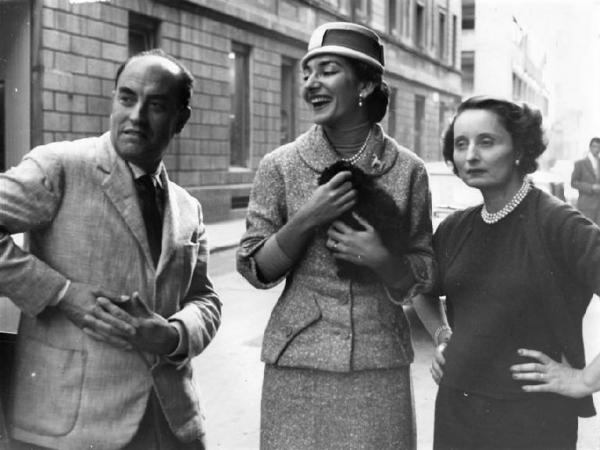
(466, 421)
(154, 432)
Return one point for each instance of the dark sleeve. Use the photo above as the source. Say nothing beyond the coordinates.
(447, 240)
(574, 242)
(440, 254)
(577, 181)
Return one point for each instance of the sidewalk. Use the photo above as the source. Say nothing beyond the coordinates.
(225, 235)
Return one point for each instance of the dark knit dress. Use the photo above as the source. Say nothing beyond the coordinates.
(494, 311)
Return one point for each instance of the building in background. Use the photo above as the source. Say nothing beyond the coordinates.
(58, 59)
(572, 43)
(544, 52)
(497, 57)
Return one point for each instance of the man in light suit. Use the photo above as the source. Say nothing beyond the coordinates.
(586, 179)
(114, 289)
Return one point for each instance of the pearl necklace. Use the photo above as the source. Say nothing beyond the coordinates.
(491, 218)
(354, 158)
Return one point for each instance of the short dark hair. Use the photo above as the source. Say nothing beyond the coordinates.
(186, 84)
(377, 102)
(521, 121)
(594, 140)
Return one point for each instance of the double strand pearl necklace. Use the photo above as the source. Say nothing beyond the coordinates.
(491, 218)
(354, 158)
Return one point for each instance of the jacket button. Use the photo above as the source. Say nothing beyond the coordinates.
(344, 299)
(347, 336)
(288, 331)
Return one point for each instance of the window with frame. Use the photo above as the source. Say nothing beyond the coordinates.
(454, 39)
(442, 121)
(467, 64)
(391, 112)
(406, 17)
(419, 124)
(394, 17)
(143, 33)
(239, 88)
(468, 14)
(442, 44)
(288, 97)
(362, 10)
(2, 129)
(419, 26)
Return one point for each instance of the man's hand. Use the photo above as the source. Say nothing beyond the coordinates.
(129, 319)
(79, 301)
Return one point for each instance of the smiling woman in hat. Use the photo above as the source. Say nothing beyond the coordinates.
(337, 346)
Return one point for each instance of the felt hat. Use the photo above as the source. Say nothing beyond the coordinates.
(346, 39)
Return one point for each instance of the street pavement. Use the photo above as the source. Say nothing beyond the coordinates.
(230, 370)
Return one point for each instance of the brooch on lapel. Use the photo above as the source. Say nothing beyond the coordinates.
(377, 164)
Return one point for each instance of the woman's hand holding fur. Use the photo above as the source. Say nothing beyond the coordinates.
(329, 201)
(361, 247)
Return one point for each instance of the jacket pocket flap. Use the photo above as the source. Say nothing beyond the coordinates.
(290, 316)
(47, 380)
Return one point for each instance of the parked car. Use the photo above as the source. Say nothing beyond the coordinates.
(549, 182)
(448, 192)
(563, 168)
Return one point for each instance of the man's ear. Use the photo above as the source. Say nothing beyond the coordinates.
(183, 116)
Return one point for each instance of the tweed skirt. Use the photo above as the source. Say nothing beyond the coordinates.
(311, 409)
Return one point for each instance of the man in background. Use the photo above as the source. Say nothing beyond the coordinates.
(114, 289)
(586, 179)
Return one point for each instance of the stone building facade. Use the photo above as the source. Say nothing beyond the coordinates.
(58, 62)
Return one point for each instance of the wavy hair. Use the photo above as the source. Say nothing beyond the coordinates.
(375, 103)
(521, 121)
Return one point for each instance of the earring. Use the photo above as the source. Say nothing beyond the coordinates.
(360, 100)
(517, 162)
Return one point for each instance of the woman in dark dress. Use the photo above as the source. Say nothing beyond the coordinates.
(518, 273)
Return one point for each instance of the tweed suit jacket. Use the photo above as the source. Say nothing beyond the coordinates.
(322, 321)
(583, 178)
(78, 203)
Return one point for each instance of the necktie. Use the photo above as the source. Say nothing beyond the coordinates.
(150, 197)
(597, 169)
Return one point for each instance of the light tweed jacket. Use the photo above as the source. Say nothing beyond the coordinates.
(321, 321)
(78, 202)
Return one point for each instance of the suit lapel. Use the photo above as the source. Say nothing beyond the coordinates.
(171, 228)
(118, 187)
(590, 168)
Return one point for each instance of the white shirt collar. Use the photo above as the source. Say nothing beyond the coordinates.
(138, 172)
(593, 160)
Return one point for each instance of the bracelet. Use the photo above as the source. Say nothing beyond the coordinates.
(440, 330)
